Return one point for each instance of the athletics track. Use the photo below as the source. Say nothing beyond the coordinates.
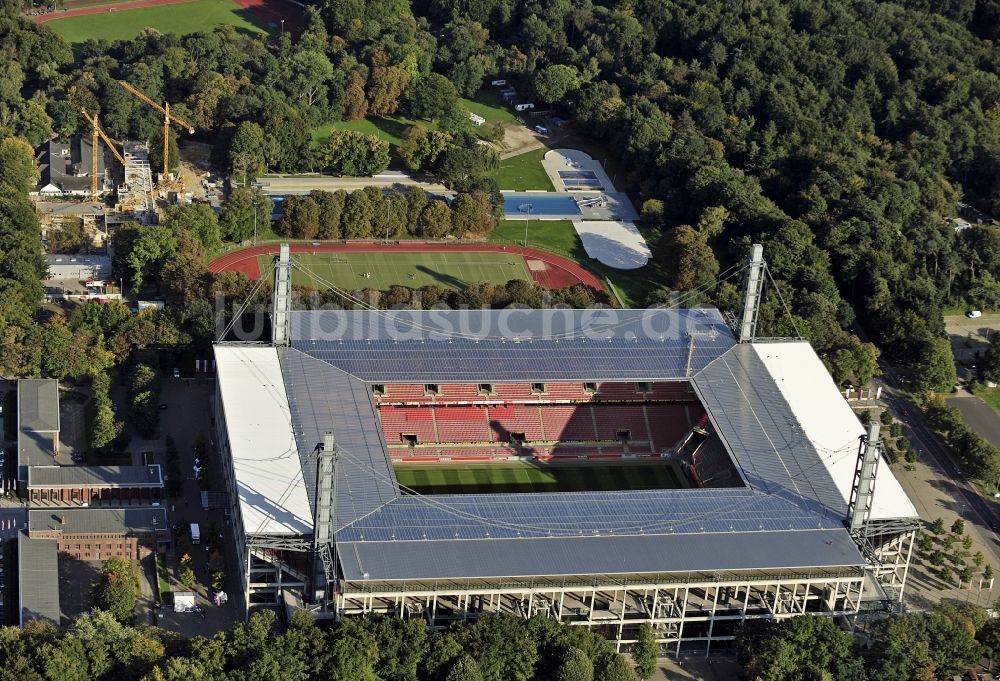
(559, 272)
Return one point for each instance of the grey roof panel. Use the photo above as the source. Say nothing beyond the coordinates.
(761, 432)
(98, 520)
(322, 398)
(38, 579)
(632, 555)
(89, 476)
(497, 345)
(38, 405)
(575, 514)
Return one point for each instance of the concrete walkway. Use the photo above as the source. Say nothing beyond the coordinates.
(282, 185)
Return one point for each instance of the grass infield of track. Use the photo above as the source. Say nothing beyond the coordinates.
(455, 270)
(493, 478)
(184, 18)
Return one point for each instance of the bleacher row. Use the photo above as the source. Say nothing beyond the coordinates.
(539, 428)
(472, 393)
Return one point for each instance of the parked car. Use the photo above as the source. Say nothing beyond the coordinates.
(974, 314)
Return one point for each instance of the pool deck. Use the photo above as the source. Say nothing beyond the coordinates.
(605, 206)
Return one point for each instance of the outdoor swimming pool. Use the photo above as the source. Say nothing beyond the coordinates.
(524, 204)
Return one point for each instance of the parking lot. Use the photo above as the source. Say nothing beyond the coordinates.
(969, 337)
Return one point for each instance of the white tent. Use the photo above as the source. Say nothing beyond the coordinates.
(183, 601)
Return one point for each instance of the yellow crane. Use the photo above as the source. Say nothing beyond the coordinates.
(98, 132)
(168, 118)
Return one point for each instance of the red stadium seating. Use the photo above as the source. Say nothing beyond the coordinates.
(459, 415)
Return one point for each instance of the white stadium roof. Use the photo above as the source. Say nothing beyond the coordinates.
(829, 423)
(269, 480)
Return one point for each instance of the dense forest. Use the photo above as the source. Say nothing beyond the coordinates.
(98, 647)
(841, 134)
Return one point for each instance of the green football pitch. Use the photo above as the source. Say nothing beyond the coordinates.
(184, 18)
(455, 270)
(491, 478)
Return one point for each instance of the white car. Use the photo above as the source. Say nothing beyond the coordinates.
(974, 314)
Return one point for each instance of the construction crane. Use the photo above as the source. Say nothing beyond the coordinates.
(98, 132)
(168, 118)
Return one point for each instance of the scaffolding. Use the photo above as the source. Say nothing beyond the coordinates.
(135, 193)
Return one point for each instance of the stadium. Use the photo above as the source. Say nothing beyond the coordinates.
(603, 467)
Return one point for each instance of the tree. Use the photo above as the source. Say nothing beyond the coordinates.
(355, 102)
(119, 589)
(431, 96)
(311, 70)
(184, 274)
(958, 527)
(386, 84)
(645, 651)
(357, 218)
(245, 157)
(473, 213)
(688, 259)
(236, 220)
(17, 164)
(331, 210)
(990, 366)
(300, 217)
(421, 147)
(435, 220)
(465, 669)
(935, 366)
(200, 220)
(355, 154)
(156, 150)
(553, 83)
(69, 237)
(613, 668)
(802, 647)
(574, 665)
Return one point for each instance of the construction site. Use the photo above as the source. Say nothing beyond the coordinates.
(96, 182)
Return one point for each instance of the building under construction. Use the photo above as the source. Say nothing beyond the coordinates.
(782, 505)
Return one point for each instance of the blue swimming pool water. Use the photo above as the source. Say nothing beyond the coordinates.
(578, 174)
(517, 205)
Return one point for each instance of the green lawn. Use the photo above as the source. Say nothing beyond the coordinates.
(492, 478)
(188, 17)
(990, 395)
(487, 103)
(454, 270)
(558, 236)
(524, 172)
(391, 128)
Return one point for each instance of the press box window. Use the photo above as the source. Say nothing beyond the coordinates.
(378, 389)
(409, 438)
(517, 439)
(432, 389)
(485, 388)
(643, 387)
(537, 388)
(590, 387)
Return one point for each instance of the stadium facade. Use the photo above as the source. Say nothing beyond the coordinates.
(781, 513)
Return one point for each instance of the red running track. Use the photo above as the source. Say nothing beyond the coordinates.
(559, 272)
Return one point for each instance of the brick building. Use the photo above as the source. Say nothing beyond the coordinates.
(94, 485)
(100, 533)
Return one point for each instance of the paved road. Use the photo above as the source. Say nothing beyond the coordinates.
(979, 415)
(977, 508)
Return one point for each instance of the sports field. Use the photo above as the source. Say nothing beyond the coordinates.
(183, 18)
(493, 478)
(455, 270)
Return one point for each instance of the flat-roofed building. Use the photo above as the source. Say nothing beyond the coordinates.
(100, 533)
(94, 485)
(37, 423)
(38, 580)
